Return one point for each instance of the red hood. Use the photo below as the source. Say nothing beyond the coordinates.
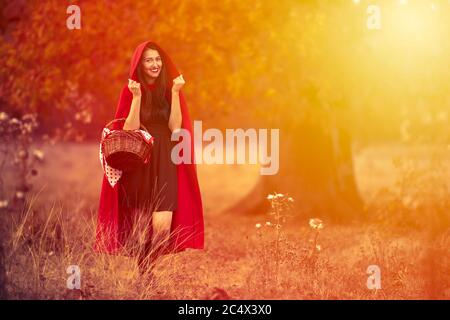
(172, 71)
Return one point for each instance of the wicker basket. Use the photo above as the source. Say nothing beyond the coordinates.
(125, 149)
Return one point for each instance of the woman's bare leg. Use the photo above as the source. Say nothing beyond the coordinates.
(161, 222)
(161, 227)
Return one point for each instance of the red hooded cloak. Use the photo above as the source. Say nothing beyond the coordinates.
(187, 220)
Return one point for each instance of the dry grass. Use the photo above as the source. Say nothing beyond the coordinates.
(56, 230)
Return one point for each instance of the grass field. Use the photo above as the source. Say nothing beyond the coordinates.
(240, 261)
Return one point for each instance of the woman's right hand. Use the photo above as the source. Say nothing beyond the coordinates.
(135, 88)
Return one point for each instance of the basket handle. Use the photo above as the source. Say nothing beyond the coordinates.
(122, 119)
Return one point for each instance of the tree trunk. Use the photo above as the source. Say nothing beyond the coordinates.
(316, 169)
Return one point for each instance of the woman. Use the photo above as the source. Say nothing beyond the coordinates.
(166, 192)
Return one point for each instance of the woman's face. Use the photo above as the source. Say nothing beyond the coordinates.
(151, 63)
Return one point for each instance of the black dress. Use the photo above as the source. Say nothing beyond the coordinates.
(153, 186)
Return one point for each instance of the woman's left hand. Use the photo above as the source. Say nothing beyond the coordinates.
(178, 83)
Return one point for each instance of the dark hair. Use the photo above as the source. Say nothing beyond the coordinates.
(154, 104)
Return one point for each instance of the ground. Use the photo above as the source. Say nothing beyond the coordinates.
(240, 261)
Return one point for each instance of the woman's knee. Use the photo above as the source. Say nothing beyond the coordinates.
(162, 219)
